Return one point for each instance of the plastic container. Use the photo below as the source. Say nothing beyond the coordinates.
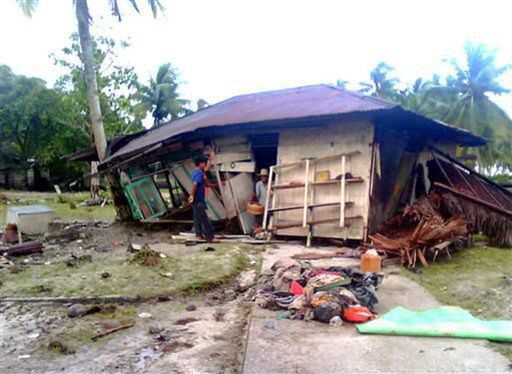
(371, 261)
(255, 209)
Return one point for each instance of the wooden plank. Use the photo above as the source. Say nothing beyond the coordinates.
(240, 147)
(313, 223)
(224, 157)
(238, 167)
(306, 191)
(317, 160)
(325, 183)
(310, 206)
(342, 192)
(267, 197)
(228, 140)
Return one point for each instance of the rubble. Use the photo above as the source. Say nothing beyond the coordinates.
(317, 293)
(437, 223)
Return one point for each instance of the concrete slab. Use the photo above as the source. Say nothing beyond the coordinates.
(285, 346)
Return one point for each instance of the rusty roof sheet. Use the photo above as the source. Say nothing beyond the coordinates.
(293, 103)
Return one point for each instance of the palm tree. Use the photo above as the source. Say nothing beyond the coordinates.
(161, 97)
(84, 20)
(381, 84)
(472, 109)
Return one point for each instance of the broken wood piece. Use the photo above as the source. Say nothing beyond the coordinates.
(112, 330)
(72, 299)
(26, 248)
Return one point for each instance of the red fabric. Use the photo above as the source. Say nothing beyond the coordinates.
(296, 289)
(357, 314)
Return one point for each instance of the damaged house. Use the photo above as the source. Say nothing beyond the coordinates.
(341, 163)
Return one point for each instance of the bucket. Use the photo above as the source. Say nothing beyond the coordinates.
(255, 209)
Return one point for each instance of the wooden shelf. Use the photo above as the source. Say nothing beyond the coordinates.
(326, 183)
(348, 203)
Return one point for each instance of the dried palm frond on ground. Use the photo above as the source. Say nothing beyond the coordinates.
(420, 232)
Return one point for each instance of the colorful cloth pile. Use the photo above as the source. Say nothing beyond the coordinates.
(322, 294)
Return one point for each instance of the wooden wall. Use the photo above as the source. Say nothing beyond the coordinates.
(316, 142)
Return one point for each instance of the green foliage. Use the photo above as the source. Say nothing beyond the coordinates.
(32, 123)
(161, 98)
(460, 99)
(117, 84)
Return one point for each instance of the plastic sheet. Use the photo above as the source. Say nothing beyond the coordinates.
(445, 322)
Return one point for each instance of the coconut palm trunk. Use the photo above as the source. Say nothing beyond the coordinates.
(83, 17)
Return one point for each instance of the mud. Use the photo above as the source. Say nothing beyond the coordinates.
(210, 338)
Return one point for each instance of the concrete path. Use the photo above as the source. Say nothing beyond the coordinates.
(285, 346)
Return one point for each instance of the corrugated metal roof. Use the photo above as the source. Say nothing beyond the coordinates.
(292, 103)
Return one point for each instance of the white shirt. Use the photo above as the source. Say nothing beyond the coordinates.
(261, 192)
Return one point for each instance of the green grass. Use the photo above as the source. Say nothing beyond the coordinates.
(195, 272)
(65, 205)
(476, 279)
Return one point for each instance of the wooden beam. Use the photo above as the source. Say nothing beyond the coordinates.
(267, 197)
(316, 160)
(324, 183)
(238, 167)
(474, 199)
(310, 206)
(306, 191)
(342, 192)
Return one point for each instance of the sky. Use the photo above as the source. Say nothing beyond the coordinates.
(224, 48)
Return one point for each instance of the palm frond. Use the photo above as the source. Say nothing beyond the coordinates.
(28, 6)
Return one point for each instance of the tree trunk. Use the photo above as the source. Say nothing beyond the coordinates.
(87, 56)
(95, 183)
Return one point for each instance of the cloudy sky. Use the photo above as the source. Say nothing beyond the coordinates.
(225, 48)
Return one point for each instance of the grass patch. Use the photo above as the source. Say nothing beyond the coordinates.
(194, 272)
(477, 279)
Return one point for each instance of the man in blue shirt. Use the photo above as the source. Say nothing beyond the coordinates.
(202, 225)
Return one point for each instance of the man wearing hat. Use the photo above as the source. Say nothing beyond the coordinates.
(261, 186)
(261, 193)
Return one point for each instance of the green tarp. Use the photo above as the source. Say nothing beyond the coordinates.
(445, 321)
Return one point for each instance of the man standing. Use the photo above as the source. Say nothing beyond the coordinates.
(202, 224)
(261, 193)
(261, 186)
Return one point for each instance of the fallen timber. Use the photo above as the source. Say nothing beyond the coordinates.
(436, 224)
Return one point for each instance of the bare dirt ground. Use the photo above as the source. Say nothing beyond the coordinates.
(199, 329)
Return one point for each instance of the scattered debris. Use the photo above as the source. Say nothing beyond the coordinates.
(155, 330)
(185, 321)
(320, 294)
(112, 330)
(134, 247)
(163, 298)
(27, 248)
(59, 347)
(145, 315)
(209, 249)
(175, 346)
(146, 257)
(10, 234)
(191, 307)
(167, 274)
(79, 310)
(21, 357)
(420, 232)
(34, 335)
(105, 274)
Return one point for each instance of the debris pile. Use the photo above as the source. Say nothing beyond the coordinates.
(323, 295)
(421, 232)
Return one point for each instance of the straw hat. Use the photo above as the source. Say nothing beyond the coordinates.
(263, 172)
